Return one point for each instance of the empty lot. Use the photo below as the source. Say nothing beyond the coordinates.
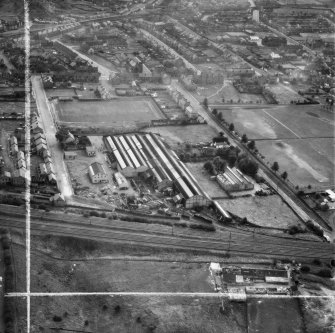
(121, 111)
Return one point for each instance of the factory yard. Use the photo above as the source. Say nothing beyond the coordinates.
(210, 186)
(256, 210)
(115, 112)
(81, 183)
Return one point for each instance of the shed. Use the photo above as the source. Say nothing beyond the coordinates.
(58, 200)
(90, 151)
(121, 181)
(70, 155)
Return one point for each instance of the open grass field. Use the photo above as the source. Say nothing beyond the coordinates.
(274, 315)
(138, 314)
(270, 211)
(299, 138)
(307, 162)
(280, 122)
(121, 111)
(176, 135)
(141, 271)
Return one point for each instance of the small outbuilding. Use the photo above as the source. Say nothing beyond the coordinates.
(90, 151)
(70, 155)
(58, 200)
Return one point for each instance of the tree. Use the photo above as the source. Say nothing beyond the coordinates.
(215, 111)
(219, 115)
(232, 159)
(231, 127)
(219, 164)
(248, 167)
(209, 167)
(205, 102)
(275, 166)
(244, 138)
(251, 145)
(284, 175)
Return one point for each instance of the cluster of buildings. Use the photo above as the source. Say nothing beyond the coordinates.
(239, 283)
(63, 64)
(41, 165)
(147, 156)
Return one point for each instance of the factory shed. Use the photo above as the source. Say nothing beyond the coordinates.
(143, 167)
(127, 171)
(159, 180)
(198, 197)
(166, 179)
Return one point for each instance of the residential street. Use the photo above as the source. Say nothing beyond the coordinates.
(64, 183)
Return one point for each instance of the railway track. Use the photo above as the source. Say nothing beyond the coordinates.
(229, 242)
(278, 182)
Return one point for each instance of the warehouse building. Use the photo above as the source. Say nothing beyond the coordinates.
(121, 181)
(166, 180)
(234, 180)
(160, 182)
(124, 166)
(97, 173)
(183, 180)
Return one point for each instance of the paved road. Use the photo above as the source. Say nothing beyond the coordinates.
(101, 229)
(64, 183)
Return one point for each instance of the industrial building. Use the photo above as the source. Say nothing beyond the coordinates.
(97, 173)
(234, 180)
(121, 181)
(147, 155)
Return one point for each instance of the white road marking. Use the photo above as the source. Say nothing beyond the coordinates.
(279, 122)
